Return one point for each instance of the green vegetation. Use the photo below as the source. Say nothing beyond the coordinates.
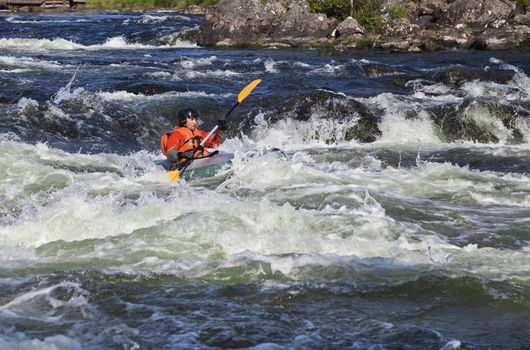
(398, 11)
(332, 8)
(144, 4)
(367, 13)
(524, 2)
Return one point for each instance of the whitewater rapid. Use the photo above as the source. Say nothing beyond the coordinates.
(398, 218)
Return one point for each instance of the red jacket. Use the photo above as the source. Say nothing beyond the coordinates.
(184, 140)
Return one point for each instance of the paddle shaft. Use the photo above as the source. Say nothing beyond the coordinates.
(242, 95)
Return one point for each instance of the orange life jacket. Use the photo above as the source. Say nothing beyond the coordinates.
(163, 142)
(191, 141)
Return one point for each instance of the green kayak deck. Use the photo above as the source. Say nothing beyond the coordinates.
(201, 168)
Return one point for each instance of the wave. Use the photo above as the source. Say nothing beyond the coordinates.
(270, 66)
(17, 19)
(190, 63)
(151, 19)
(129, 96)
(101, 198)
(190, 74)
(28, 62)
(115, 43)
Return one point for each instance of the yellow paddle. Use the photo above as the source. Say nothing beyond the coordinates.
(174, 175)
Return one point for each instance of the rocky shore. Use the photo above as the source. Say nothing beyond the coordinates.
(424, 25)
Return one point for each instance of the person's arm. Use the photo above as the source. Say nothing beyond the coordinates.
(174, 141)
(214, 140)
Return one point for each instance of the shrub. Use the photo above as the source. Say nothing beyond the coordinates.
(367, 13)
(398, 11)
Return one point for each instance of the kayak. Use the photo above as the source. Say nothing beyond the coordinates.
(202, 167)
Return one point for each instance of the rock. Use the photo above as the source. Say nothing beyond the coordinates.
(399, 27)
(433, 8)
(330, 105)
(476, 43)
(522, 19)
(425, 22)
(431, 25)
(477, 120)
(348, 28)
(456, 76)
(190, 35)
(147, 89)
(498, 43)
(479, 13)
(507, 38)
(396, 45)
(426, 44)
(264, 22)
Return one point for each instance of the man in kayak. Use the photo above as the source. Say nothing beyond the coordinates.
(183, 144)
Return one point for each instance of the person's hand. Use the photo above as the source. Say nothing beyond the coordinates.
(173, 155)
(221, 123)
(187, 155)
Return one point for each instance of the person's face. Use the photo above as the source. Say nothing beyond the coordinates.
(191, 123)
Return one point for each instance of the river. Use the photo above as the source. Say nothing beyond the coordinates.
(419, 239)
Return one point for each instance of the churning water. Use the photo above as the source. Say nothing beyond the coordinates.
(399, 220)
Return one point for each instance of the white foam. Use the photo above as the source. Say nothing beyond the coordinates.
(17, 19)
(191, 74)
(141, 223)
(302, 64)
(452, 345)
(329, 68)
(269, 66)
(146, 19)
(520, 81)
(24, 305)
(397, 126)
(190, 63)
(161, 75)
(129, 96)
(487, 121)
(424, 88)
(56, 342)
(14, 71)
(291, 134)
(28, 62)
(27, 106)
(115, 43)
(39, 44)
(150, 19)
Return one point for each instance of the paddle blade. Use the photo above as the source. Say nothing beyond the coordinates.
(173, 175)
(244, 93)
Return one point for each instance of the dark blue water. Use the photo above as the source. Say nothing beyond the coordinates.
(398, 220)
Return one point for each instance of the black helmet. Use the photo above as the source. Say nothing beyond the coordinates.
(185, 113)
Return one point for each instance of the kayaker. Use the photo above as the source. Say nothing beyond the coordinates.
(184, 142)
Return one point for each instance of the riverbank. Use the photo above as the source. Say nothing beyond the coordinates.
(414, 26)
(401, 26)
(197, 7)
(189, 6)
